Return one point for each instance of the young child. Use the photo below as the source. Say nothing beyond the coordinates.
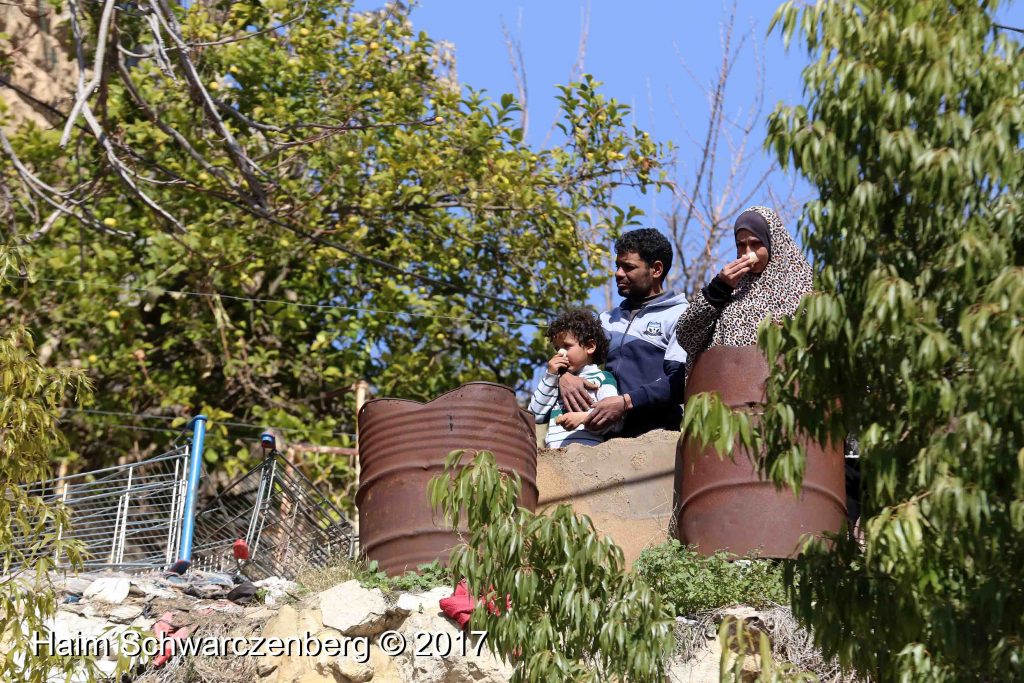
(580, 346)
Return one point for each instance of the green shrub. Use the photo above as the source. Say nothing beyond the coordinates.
(425, 577)
(910, 133)
(689, 582)
(342, 569)
(31, 398)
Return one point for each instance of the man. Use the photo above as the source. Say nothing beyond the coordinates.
(644, 357)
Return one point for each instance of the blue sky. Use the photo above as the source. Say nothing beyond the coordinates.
(636, 49)
(638, 52)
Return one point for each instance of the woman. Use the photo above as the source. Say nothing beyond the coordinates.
(769, 276)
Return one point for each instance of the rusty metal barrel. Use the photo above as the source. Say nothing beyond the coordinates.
(721, 503)
(403, 445)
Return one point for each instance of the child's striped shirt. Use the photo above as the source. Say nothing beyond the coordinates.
(546, 405)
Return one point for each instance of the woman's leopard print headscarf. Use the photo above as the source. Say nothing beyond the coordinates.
(777, 291)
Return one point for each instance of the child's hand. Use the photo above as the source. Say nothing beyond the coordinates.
(571, 421)
(558, 363)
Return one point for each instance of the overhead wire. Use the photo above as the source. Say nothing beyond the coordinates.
(170, 418)
(380, 263)
(1008, 28)
(282, 302)
(261, 213)
(169, 430)
(139, 428)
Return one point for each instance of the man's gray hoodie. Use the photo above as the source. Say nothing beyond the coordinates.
(647, 362)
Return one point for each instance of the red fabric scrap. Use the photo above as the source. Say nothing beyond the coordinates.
(164, 630)
(459, 605)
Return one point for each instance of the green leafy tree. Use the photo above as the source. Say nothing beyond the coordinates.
(264, 202)
(575, 614)
(914, 340)
(30, 398)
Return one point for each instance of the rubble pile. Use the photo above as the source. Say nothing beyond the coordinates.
(204, 605)
(103, 606)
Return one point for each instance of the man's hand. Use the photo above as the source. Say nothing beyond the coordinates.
(607, 412)
(571, 421)
(574, 392)
(732, 272)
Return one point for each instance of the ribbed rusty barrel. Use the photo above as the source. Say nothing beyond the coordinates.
(721, 503)
(403, 445)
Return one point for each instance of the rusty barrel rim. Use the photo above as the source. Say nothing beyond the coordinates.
(428, 445)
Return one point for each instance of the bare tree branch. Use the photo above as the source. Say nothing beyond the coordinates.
(86, 91)
(45, 228)
(82, 108)
(707, 159)
(578, 66)
(518, 64)
(136, 96)
(707, 200)
(327, 129)
(581, 47)
(61, 201)
(201, 95)
(24, 92)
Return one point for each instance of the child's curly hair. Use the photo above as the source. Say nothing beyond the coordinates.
(582, 324)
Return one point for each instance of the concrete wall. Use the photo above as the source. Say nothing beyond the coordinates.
(623, 485)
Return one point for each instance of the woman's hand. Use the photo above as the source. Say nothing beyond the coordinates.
(732, 272)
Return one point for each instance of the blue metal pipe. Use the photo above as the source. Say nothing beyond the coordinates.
(195, 467)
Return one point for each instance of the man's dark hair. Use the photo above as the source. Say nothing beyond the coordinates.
(650, 244)
(583, 324)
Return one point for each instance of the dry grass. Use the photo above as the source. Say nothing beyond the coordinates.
(313, 579)
(205, 669)
(790, 642)
(691, 639)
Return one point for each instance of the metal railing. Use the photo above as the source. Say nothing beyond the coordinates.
(286, 522)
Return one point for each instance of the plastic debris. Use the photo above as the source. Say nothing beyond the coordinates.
(276, 588)
(109, 589)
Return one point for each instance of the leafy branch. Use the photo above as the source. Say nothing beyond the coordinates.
(574, 614)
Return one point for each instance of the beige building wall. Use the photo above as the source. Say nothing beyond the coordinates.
(40, 69)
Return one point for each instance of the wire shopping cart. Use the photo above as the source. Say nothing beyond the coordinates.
(285, 521)
(130, 516)
(143, 516)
